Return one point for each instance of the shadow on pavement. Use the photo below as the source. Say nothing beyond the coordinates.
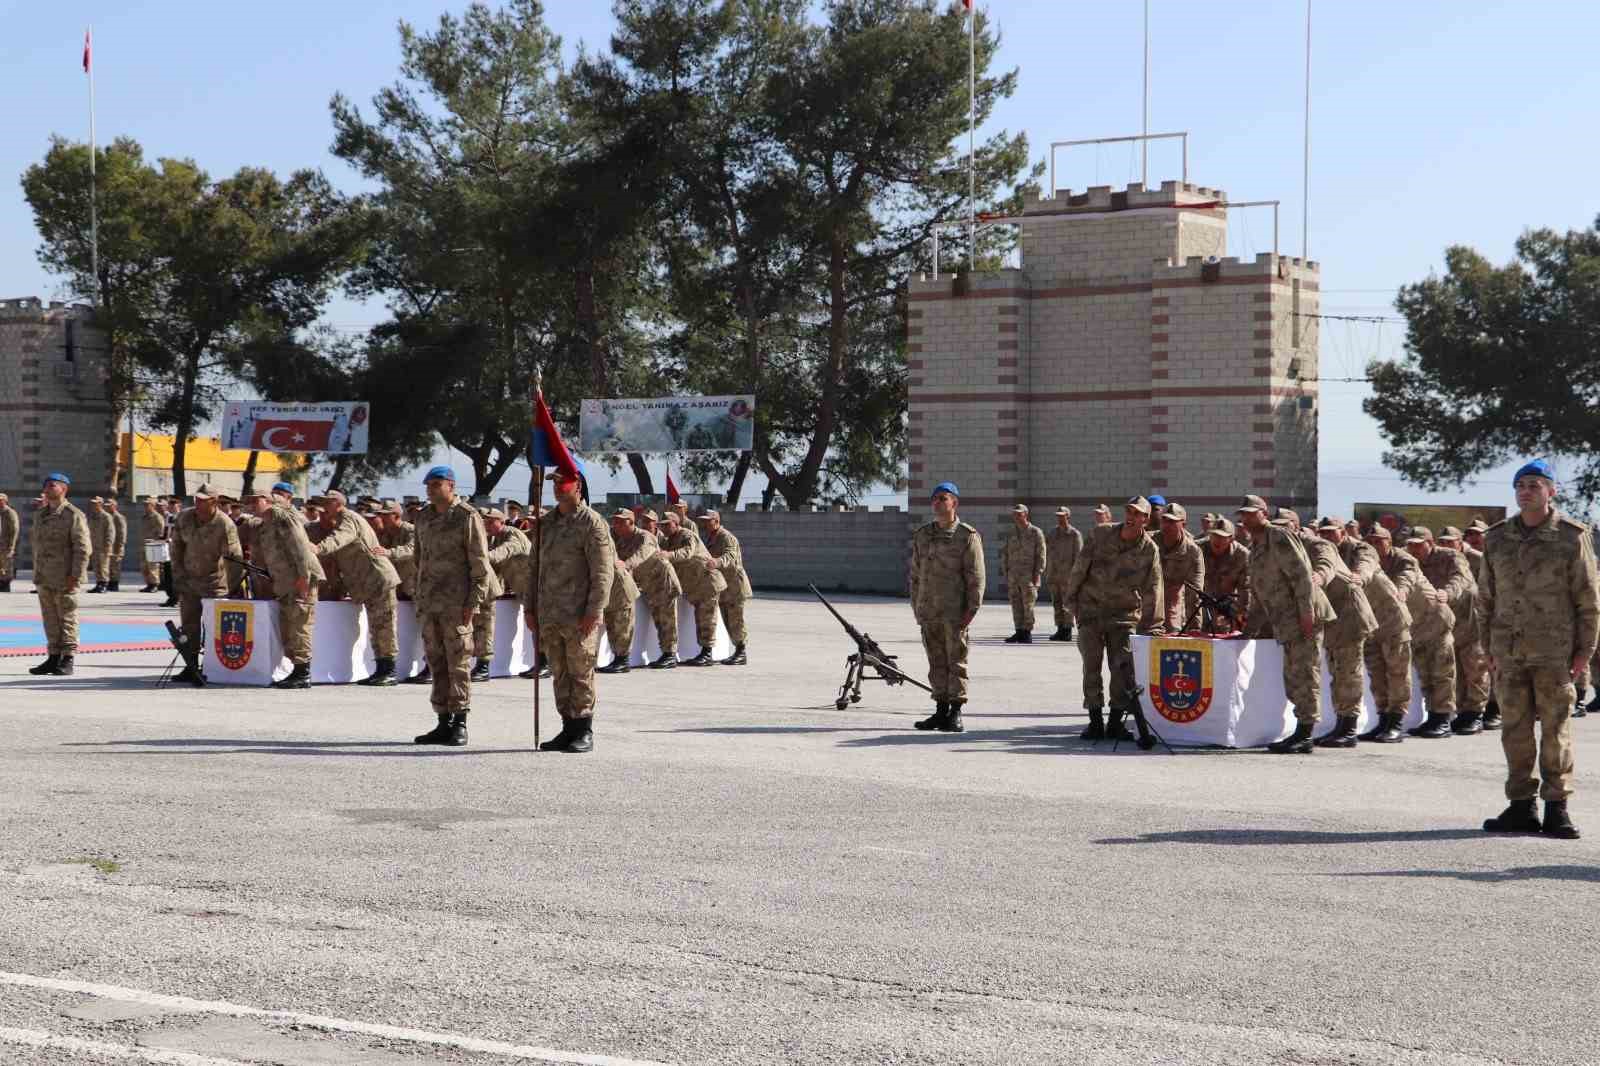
(400, 749)
(1516, 873)
(1275, 837)
(1025, 740)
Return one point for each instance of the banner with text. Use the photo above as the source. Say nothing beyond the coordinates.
(335, 428)
(669, 424)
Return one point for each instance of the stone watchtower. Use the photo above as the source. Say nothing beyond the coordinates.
(1126, 355)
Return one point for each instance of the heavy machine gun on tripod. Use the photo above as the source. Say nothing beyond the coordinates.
(868, 657)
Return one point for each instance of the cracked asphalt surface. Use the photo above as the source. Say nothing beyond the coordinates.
(742, 874)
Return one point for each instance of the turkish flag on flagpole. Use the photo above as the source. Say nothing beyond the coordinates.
(87, 50)
(672, 488)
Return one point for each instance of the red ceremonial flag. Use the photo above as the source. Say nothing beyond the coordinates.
(967, 4)
(86, 51)
(672, 488)
(547, 448)
(290, 435)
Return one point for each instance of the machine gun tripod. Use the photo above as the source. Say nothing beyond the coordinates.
(868, 657)
(1209, 608)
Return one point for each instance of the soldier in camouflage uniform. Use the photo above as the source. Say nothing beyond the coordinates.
(1472, 538)
(1286, 602)
(1346, 636)
(282, 549)
(102, 531)
(202, 538)
(727, 559)
(368, 577)
(1448, 575)
(1450, 572)
(119, 545)
(1182, 564)
(152, 526)
(1387, 652)
(1472, 654)
(703, 586)
(60, 538)
(1227, 569)
(1118, 572)
(1432, 634)
(1061, 553)
(572, 582)
(397, 538)
(658, 580)
(1540, 599)
(631, 547)
(946, 585)
(10, 531)
(510, 564)
(1022, 562)
(453, 576)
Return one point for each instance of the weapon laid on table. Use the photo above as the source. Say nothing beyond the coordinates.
(249, 567)
(1210, 608)
(868, 656)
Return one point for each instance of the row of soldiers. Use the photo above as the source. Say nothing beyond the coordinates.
(107, 532)
(1511, 609)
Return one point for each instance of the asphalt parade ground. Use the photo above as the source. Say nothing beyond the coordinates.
(742, 874)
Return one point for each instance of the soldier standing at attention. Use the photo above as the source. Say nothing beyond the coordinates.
(152, 526)
(1182, 564)
(1540, 598)
(1227, 567)
(282, 548)
(102, 531)
(369, 578)
(572, 581)
(1286, 602)
(947, 582)
(1022, 561)
(728, 560)
(1473, 538)
(453, 575)
(60, 560)
(202, 538)
(1118, 573)
(10, 530)
(629, 545)
(659, 582)
(702, 586)
(1060, 554)
(1450, 573)
(119, 545)
(510, 563)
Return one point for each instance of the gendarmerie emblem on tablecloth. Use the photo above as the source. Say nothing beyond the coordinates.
(1180, 670)
(235, 633)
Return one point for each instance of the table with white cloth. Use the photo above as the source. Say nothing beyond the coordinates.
(242, 647)
(1229, 693)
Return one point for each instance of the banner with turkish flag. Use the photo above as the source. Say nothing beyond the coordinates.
(332, 428)
(290, 435)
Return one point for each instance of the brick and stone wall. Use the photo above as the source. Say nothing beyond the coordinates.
(1126, 355)
(838, 551)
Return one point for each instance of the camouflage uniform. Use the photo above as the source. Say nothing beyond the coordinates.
(658, 580)
(1022, 561)
(723, 546)
(152, 526)
(401, 543)
(1450, 571)
(1388, 651)
(10, 531)
(60, 558)
(1108, 589)
(119, 545)
(285, 552)
(1432, 632)
(509, 554)
(1181, 563)
(453, 575)
(1346, 636)
(370, 579)
(946, 585)
(1540, 600)
(572, 577)
(1229, 574)
(1473, 683)
(618, 616)
(197, 574)
(1061, 552)
(102, 531)
(1281, 592)
(702, 587)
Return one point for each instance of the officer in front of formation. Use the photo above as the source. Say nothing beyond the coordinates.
(1543, 612)
(282, 548)
(572, 582)
(453, 576)
(10, 530)
(947, 582)
(60, 539)
(202, 538)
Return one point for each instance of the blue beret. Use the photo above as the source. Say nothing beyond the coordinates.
(945, 486)
(1538, 467)
(439, 472)
(284, 487)
(1156, 500)
(58, 476)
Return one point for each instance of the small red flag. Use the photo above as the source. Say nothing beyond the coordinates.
(967, 4)
(672, 489)
(87, 50)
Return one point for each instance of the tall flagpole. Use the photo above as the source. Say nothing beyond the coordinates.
(972, 137)
(1144, 143)
(1305, 176)
(94, 210)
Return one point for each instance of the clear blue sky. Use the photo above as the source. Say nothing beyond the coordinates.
(1433, 123)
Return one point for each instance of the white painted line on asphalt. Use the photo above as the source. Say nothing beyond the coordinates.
(39, 1039)
(389, 1032)
(896, 851)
